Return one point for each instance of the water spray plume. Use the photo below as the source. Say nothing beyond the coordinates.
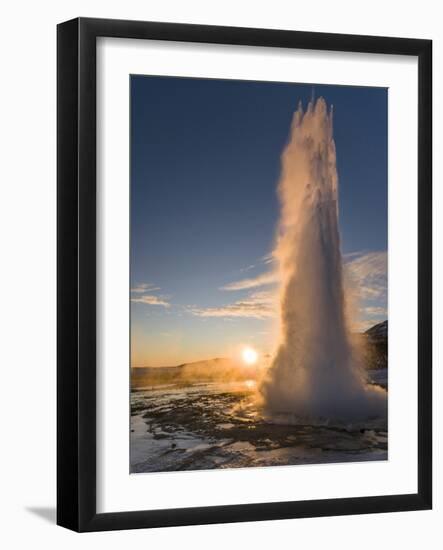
(316, 372)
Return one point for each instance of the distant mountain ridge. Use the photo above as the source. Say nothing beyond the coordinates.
(376, 346)
(375, 356)
(210, 370)
(378, 331)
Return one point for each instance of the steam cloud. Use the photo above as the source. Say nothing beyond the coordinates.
(316, 371)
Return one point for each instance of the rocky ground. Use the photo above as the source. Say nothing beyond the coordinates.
(218, 425)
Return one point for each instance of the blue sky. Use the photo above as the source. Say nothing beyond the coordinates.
(205, 162)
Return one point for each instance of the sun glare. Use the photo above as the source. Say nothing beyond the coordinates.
(249, 356)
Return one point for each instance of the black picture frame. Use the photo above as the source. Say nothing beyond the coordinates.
(76, 265)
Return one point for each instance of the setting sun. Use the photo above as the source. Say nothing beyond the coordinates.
(249, 356)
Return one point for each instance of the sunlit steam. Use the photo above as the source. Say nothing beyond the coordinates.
(316, 371)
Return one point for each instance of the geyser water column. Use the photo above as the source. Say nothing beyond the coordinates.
(315, 372)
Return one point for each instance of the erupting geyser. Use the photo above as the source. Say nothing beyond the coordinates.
(316, 372)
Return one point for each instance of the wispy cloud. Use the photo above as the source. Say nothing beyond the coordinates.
(150, 300)
(363, 325)
(368, 274)
(254, 282)
(262, 279)
(268, 258)
(143, 295)
(374, 311)
(258, 305)
(144, 287)
(247, 268)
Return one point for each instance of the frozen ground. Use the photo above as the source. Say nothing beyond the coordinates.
(218, 425)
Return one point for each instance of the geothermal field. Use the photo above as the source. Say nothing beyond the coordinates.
(202, 416)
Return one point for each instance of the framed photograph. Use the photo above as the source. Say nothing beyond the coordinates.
(244, 274)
